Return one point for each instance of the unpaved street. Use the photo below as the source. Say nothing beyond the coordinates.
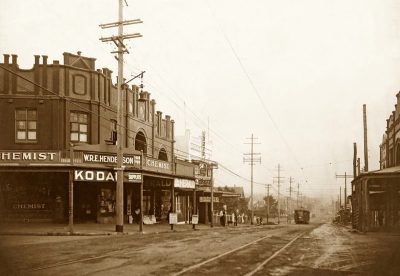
(315, 249)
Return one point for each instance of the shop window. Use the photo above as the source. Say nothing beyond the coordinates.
(114, 132)
(79, 127)
(178, 204)
(107, 202)
(26, 125)
(146, 204)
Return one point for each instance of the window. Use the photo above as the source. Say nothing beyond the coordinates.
(114, 132)
(79, 127)
(26, 125)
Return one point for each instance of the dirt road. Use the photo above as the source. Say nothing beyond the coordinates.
(315, 249)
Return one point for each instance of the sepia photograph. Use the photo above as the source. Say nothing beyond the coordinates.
(200, 137)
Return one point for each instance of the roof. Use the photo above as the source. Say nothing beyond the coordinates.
(387, 172)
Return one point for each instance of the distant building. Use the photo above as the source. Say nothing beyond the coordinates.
(376, 194)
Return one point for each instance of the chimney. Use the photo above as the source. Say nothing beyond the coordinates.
(6, 59)
(14, 59)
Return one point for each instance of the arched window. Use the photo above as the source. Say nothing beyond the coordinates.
(140, 142)
(162, 155)
(397, 160)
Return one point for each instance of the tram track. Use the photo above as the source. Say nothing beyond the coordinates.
(124, 252)
(109, 254)
(258, 266)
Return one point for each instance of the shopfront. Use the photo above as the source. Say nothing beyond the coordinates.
(33, 196)
(185, 206)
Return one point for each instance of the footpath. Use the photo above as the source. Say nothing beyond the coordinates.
(96, 229)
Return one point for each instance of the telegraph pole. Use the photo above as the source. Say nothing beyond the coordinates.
(279, 193)
(213, 165)
(365, 138)
(298, 190)
(345, 176)
(119, 42)
(252, 160)
(267, 186)
(290, 197)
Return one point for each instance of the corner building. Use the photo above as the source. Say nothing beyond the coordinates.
(59, 125)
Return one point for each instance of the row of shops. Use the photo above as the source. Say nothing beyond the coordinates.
(36, 186)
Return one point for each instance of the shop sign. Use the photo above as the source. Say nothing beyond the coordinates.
(195, 219)
(105, 158)
(31, 156)
(29, 206)
(132, 177)
(173, 218)
(184, 183)
(157, 164)
(203, 182)
(204, 189)
(208, 199)
(94, 175)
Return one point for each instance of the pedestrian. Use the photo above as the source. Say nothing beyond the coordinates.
(169, 212)
(222, 218)
(137, 215)
(236, 217)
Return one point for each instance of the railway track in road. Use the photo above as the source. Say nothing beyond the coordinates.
(206, 267)
(119, 259)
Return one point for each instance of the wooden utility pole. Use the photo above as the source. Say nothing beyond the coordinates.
(213, 165)
(365, 138)
(119, 42)
(268, 186)
(355, 159)
(71, 190)
(252, 160)
(279, 192)
(345, 176)
(297, 199)
(290, 211)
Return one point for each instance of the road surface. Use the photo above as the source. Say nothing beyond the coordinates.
(314, 249)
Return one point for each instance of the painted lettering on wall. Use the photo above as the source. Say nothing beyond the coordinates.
(28, 156)
(184, 183)
(94, 175)
(208, 199)
(29, 206)
(157, 164)
(103, 158)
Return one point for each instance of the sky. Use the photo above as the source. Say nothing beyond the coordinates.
(294, 73)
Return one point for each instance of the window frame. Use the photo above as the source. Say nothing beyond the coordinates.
(27, 130)
(76, 127)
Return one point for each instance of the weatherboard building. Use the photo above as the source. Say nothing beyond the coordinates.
(59, 126)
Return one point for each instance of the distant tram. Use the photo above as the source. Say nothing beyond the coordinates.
(301, 216)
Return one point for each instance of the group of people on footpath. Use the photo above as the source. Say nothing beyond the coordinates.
(234, 218)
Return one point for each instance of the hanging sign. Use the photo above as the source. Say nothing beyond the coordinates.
(132, 177)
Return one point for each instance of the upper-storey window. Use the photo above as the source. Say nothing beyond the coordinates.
(79, 124)
(26, 125)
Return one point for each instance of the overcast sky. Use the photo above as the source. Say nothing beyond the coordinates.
(295, 73)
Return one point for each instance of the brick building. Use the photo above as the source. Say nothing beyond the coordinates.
(376, 194)
(59, 125)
